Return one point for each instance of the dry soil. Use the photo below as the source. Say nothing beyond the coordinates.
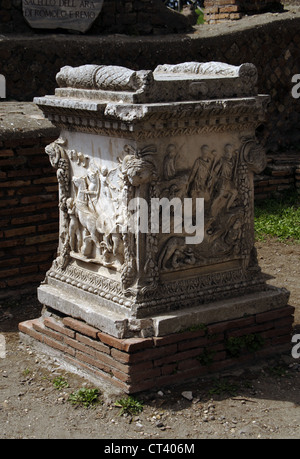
(260, 401)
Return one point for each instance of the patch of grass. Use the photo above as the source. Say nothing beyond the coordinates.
(60, 382)
(129, 406)
(278, 371)
(222, 386)
(207, 357)
(278, 217)
(235, 345)
(85, 397)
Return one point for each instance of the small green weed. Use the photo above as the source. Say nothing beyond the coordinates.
(26, 372)
(278, 371)
(85, 397)
(235, 345)
(222, 386)
(207, 357)
(200, 13)
(60, 382)
(129, 405)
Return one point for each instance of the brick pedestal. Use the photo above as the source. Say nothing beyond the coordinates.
(136, 364)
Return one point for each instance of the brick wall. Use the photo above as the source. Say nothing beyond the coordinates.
(28, 213)
(281, 174)
(222, 10)
(273, 47)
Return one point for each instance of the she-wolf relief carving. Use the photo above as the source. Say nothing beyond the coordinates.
(222, 179)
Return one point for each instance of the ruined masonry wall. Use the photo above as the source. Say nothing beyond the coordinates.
(223, 10)
(28, 213)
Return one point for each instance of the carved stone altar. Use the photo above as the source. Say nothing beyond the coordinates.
(182, 131)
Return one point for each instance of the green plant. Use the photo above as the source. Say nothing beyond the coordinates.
(194, 328)
(129, 405)
(60, 382)
(222, 386)
(85, 397)
(278, 217)
(207, 357)
(236, 344)
(278, 371)
(26, 372)
(200, 14)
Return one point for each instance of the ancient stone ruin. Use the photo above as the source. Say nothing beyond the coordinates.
(156, 266)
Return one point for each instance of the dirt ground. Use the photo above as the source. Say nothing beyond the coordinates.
(260, 401)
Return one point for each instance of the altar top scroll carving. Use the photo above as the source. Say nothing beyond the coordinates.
(189, 81)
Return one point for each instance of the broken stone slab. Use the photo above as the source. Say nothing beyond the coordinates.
(76, 15)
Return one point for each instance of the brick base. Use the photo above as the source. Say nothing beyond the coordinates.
(137, 364)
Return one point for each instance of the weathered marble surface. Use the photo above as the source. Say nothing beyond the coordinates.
(184, 131)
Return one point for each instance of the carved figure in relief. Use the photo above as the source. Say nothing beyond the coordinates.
(75, 236)
(92, 191)
(87, 218)
(175, 254)
(200, 180)
(228, 192)
(59, 160)
(79, 157)
(169, 167)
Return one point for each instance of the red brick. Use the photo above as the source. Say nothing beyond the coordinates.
(177, 337)
(250, 330)
(20, 231)
(40, 327)
(230, 324)
(41, 238)
(6, 152)
(51, 179)
(28, 269)
(57, 326)
(127, 344)
(15, 183)
(27, 328)
(9, 272)
(282, 339)
(147, 354)
(81, 327)
(79, 346)
(275, 314)
(58, 345)
(94, 362)
(176, 357)
(94, 344)
(28, 219)
(9, 262)
(190, 344)
(30, 279)
(189, 363)
(48, 227)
